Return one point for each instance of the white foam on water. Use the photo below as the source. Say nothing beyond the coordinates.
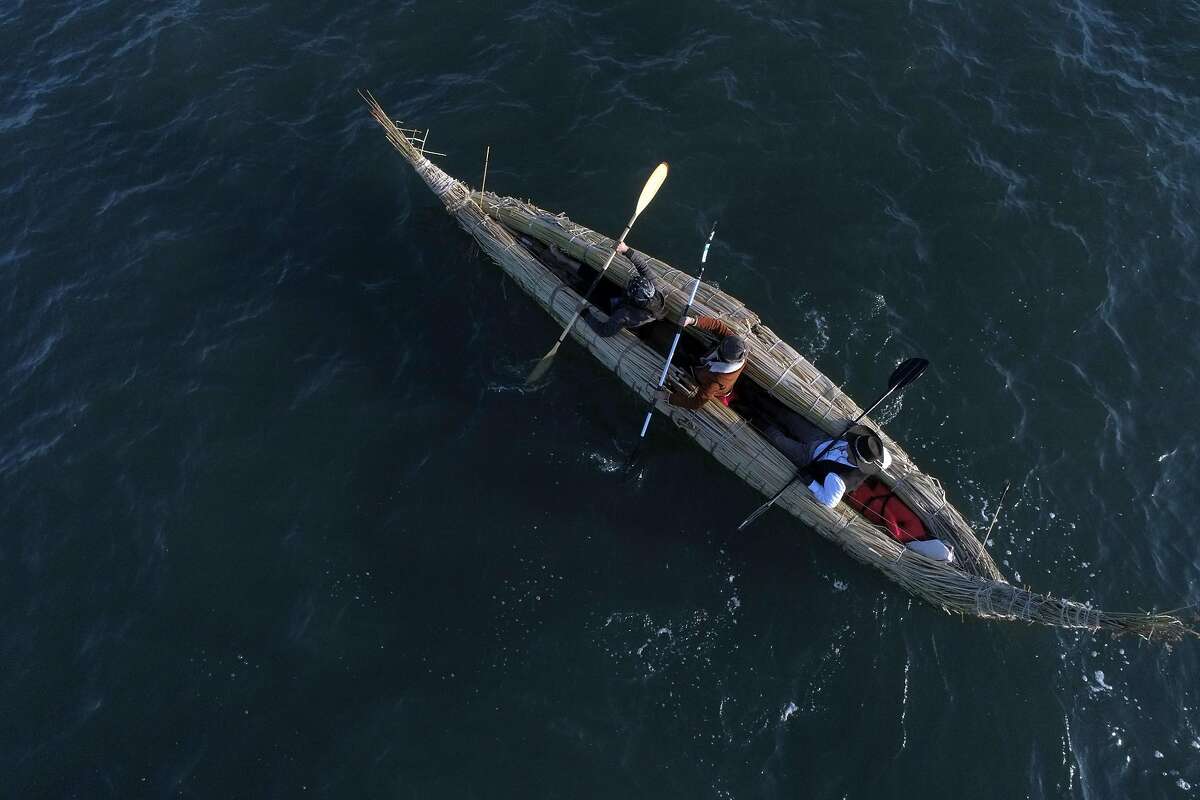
(605, 463)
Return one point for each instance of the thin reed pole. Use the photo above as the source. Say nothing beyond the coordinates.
(996, 516)
(483, 186)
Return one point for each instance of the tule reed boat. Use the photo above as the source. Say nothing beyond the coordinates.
(552, 258)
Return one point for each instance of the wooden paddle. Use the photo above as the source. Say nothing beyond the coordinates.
(648, 191)
(902, 376)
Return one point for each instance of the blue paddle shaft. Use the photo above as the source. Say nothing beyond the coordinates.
(662, 379)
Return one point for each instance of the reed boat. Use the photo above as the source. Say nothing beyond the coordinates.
(532, 245)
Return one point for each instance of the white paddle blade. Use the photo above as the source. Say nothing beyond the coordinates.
(651, 188)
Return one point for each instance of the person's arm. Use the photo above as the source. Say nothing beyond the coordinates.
(639, 262)
(714, 326)
(829, 493)
(704, 393)
(642, 265)
(616, 322)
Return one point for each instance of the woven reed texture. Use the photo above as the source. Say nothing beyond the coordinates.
(975, 586)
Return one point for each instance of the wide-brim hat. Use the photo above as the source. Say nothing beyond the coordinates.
(868, 448)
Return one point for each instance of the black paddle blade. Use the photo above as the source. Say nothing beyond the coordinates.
(906, 373)
(631, 462)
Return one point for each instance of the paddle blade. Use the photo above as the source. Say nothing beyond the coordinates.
(906, 373)
(542, 367)
(708, 244)
(758, 512)
(651, 188)
(628, 469)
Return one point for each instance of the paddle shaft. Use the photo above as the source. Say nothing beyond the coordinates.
(583, 303)
(758, 512)
(662, 379)
(649, 190)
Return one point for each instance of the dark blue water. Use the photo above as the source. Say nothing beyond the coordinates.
(277, 520)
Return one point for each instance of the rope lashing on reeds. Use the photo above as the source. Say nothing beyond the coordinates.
(784, 372)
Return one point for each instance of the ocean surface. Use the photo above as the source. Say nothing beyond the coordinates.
(278, 518)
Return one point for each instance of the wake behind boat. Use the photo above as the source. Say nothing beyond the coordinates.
(554, 259)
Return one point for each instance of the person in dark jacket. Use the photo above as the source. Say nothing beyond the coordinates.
(641, 304)
(717, 371)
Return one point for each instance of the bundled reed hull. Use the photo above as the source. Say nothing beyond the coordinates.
(973, 585)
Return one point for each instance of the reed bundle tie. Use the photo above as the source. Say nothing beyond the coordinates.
(983, 601)
(459, 203)
(783, 374)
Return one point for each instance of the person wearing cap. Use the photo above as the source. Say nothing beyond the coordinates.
(641, 304)
(717, 371)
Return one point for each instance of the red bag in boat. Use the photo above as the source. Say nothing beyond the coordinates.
(875, 501)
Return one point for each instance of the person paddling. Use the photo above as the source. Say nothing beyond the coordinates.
(641, 303)
(717, 371)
